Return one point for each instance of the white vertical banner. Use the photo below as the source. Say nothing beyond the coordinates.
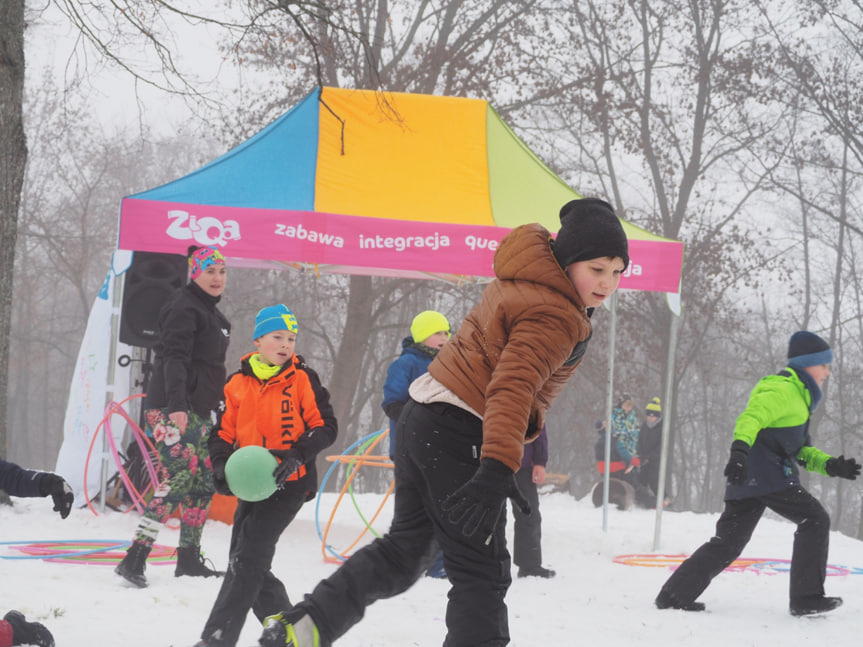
(90, 393)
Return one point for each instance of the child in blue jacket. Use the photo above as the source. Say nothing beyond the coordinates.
(430, 330)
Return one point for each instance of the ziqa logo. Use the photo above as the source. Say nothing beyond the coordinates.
(204, 231)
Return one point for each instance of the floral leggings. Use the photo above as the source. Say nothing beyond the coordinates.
(185, 478)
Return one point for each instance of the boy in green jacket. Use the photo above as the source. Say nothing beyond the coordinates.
(771, 437)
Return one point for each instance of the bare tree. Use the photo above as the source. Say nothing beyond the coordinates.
(13, 159)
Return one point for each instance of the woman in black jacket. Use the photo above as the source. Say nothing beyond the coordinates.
(185, 391)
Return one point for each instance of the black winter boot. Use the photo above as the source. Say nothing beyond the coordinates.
(191, 562)
(132, 566)
(28, 633)
(813, 604)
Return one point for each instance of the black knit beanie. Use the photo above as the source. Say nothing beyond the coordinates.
(808, 349)
(589, 229)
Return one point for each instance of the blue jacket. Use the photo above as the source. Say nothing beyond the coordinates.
(413, 362)
(775, 424)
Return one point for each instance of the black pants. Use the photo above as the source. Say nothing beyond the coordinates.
(733, 531)
(527, 529)
(249, 583)
(437, 451)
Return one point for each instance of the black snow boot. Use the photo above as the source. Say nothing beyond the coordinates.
(191, 562)
(132, 566)
(668, 600)
(813, 604)
(28, 633)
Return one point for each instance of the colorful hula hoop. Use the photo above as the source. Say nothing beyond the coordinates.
(761, 565)
(84, 551)
(361, 457)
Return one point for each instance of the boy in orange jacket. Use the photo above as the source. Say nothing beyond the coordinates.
(277, 402)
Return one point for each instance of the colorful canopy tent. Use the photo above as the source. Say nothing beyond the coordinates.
(354, 181)
(386, 184)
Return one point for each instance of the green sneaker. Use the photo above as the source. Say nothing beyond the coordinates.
(279, 632)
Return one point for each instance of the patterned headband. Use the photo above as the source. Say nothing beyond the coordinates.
(202, 258)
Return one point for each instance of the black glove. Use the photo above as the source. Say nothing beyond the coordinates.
(846, 468)
(478, 503)
(220, 481)
(60, 492)
(289, 462)
(735, 470)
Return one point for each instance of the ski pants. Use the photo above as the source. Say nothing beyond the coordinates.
(437, 451)
(527, 529)
(185, 478)
(733, 531)
(249, 583)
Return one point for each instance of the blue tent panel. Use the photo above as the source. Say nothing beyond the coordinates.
(275, 169)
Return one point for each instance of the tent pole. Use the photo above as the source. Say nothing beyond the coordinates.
(609, 403)
(117, 304)
(666, 426)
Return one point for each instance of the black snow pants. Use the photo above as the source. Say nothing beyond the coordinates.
(249, 583)
(437, 451)
(733, 531)
(527, 529)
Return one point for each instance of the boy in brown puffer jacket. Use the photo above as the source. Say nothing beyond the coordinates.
(460, 438)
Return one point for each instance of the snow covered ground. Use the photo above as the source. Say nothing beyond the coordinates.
(593, 600)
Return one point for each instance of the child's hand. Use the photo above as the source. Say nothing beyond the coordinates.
(846, 468)
(289, 462)
(478, 504)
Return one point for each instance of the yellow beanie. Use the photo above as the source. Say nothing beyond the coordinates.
(654, 405)
(426, 324)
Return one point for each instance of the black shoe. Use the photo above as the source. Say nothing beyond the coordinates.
(813, 604)
(667, 600)
(537, 571)
(28, 633)
(191, 562)
(131, 567)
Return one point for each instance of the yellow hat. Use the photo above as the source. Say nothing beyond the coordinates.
(654, 405)
(426, 324)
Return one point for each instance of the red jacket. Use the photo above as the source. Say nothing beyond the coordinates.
(279, 413)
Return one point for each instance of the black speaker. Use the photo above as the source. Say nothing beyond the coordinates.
(150, 280)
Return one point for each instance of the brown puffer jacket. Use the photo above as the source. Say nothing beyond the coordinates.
(516, 349)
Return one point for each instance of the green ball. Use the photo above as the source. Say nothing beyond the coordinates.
(249, 472)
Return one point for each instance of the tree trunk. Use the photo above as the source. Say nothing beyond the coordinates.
(13, 158)
(349, 360)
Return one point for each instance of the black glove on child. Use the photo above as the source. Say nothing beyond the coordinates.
(735, 470)
(290, 462)
(846, 468)
(220, 481)
(60, 492)
(478, 503)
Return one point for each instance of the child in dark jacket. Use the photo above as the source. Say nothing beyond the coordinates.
(527, 528)
(430, 330)
(17, 481)
(276, 401)
(771, 438)
(460, 438)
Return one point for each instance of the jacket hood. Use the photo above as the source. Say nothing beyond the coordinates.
(525, 255)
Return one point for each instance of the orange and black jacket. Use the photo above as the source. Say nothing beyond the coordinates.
(291, 410)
